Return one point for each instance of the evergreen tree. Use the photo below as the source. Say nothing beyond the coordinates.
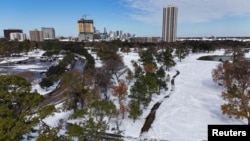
(135, 110)
(161, 80)
(17, 108)
(95, 121)
(166, 57)
(181, 52)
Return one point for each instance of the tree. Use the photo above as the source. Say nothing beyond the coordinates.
(236, 53)
(161, 80)
(137, 70)
(149, 67)
(113, 64)
(235, 78)
(144, 88)
(181, 52)
(161, 73)
(135, 110)
(121, 92)
(46, 132)
(95, 121)
(17, 108)
(129, 76)
(102, 80)
(150, 82)
(146, 56)
(138, 92)
(76, 91)
(166, 58)
(46, 82)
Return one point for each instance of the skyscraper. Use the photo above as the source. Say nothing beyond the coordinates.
(48, 33)
(169, 25)
(36, 35)
(85, 29)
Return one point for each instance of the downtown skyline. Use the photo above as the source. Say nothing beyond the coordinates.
(197, 18)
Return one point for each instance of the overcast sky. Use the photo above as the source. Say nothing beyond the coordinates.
(140, 17)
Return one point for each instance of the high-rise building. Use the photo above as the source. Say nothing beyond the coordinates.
(8, 31)
(36, 35)
(105, 31)
(17, 36)
(48, 33)
(169, 25)
(85, 29)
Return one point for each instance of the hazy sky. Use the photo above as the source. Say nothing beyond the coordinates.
(140, 17)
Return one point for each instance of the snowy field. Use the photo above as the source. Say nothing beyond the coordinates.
(191, 107)
(194, 104)
(185, 115)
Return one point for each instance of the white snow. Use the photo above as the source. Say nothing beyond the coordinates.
(194, 104)
(191, 107)
(185, 115)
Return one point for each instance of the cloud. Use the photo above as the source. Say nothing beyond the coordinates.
(189, 11)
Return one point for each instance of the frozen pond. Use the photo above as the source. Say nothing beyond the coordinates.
(220, 58)
(30, 64)
(35, 66)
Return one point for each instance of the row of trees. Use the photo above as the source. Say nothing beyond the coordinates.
(234, 76)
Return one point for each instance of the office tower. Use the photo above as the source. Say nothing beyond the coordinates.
(85, 29)
(36, 35)
(8, 31)
(48, 33)
(169, 26)
(105, 31)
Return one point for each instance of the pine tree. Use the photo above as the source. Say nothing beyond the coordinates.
(181, 52)
(166, 57)
(95, 121)
(18, 108)
(135, 110)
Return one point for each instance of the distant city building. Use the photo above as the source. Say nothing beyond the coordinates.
(48, 33)
(105, 31)
(8, 31)
(18, 36)
(85, 29)
(145, 39)
(169, 25)
(36, 35)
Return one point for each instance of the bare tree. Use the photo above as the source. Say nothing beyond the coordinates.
(114, 64)
(236, 53)
(102, 80)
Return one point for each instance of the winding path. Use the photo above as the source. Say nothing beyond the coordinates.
(151, 116)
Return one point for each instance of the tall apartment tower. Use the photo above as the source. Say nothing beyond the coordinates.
(85, 29)
(48, 33)
(36, 35)
(169, 25)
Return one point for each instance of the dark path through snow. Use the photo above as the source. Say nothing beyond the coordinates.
(151, 116)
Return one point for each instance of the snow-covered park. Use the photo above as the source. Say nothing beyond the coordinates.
(185, 114)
